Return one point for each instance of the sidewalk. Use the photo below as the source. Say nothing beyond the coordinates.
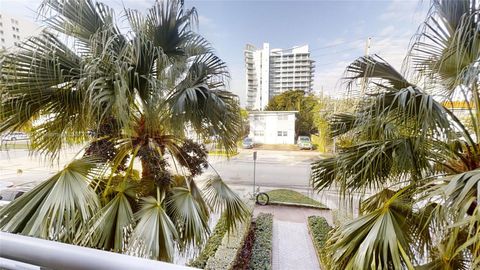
(292, 247)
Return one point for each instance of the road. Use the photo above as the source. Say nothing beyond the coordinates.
(273, 168)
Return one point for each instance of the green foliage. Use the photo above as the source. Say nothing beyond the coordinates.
(262, 248)
(288, 196)
(418, 157)
(296, 100)
(386, 230)
(319, 230)
(212, 244)
(137, 94)
(245, 124)
(57, 207)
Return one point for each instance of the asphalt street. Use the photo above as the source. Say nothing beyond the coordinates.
(274, 169)
(285, 169)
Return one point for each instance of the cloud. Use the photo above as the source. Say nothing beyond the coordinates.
(400, 9)
(388, 30)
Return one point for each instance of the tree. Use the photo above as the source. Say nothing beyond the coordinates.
(138, 93)
(245, 123)
(296, 100)
(417, 157)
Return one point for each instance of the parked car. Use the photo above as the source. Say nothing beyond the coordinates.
(14, 136)
(304, 142)
(248, 143)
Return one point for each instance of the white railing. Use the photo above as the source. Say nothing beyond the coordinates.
(23, 252)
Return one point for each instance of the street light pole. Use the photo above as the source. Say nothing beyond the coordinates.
(254, 165)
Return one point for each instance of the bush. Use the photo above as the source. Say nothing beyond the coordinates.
(262, 247)
(319, 230)
(212, 244)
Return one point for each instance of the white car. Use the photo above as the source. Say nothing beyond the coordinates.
(14, 136)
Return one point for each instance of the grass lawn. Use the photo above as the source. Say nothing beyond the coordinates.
(287, 196)
(218, 152)
(14, 145)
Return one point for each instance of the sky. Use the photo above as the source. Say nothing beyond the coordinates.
(335, 30)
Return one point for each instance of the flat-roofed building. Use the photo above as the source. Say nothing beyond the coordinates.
(272, 127)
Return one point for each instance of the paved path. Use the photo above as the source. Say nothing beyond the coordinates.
(292, 245)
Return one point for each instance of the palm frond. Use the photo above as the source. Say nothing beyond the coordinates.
(189, 217)
(222, 199)
(155, 233)
(57, 207)
(378, 240)
(374, 67)
(108, 228)
(372, 164)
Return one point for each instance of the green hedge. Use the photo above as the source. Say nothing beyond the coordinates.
(319, 230)
(262, 247)
(212, 244)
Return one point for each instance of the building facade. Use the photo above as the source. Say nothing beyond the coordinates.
(270, 72)
(272, 127)
(14, 30)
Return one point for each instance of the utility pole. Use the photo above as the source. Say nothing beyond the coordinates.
(254, 163)
(367, 51)
(335, 138)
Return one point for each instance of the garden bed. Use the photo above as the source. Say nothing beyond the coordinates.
(212, 244)
(257, 249)
(319, 229)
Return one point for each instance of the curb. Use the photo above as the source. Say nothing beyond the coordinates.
(298, 205)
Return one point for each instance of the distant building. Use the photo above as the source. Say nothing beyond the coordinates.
(13, 30)
(272, 127)
(272, 72)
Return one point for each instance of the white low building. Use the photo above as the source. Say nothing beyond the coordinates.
(272, 127)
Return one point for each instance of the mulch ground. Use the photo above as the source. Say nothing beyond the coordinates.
(243, 259)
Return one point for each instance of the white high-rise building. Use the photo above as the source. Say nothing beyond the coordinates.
(14, 30)
(272, 72)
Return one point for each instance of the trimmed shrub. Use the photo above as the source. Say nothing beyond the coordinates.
(261, 258)
(319, 230)
(212, 244)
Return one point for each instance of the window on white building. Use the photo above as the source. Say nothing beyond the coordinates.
(258, 133)
(259, 117)
(281, 133)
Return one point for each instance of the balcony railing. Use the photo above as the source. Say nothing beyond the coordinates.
(23, 252)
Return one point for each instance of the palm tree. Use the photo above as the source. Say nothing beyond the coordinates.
(413, 153)
(138, 91)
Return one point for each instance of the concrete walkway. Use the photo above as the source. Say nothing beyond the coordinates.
(292, 247)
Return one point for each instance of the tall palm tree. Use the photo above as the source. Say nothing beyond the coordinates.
(418, 158)
(139, 92)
